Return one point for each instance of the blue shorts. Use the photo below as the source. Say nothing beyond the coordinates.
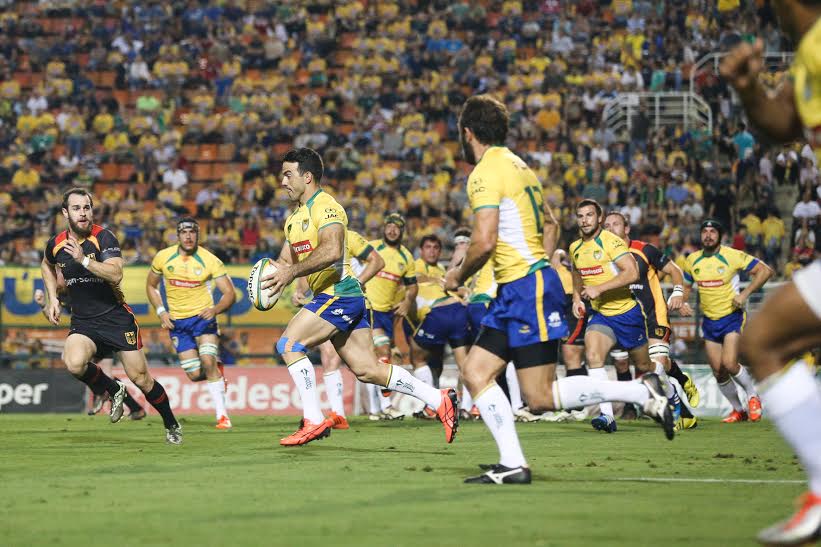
(383, 320)
(715, 330)
(346, 313)
(444, 325)
(185, 332)
(529, 310)
(476, 312)
(629, 328)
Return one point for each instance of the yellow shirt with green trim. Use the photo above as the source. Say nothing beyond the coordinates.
(302, 233)
(482, 284)
(503, 181)
(806, 76)
(187, 279)
(399, 271)
(431, 292)
(717, 278)
(595, 260)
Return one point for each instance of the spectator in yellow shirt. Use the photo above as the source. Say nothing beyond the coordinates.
(26, 180)
(772, 230)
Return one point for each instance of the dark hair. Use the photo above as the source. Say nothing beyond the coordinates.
(487, 118)
(430, 237)
(307, 160)
(587, 202)
(78, 192)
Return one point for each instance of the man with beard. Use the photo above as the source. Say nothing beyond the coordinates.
(315, 247)
(525, 322)
(191, 318)
(385, 294)
(715, 269)
(88, 257)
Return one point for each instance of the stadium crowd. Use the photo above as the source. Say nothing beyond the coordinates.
(165, 108)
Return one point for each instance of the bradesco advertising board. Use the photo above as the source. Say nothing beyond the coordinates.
(49, 390)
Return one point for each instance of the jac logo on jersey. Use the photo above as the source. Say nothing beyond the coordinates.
(389, 276)
(709, 283)
(586, 272)
(182, 283)
(302, 247)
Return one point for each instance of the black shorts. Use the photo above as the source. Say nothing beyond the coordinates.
(116, 330)
(660, 332)
(577, 326)
(533, 355)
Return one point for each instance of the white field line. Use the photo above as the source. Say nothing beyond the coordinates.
(707, 480)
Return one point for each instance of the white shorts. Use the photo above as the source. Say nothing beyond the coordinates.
(808, 282)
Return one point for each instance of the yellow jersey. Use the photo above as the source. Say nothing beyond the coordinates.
(566, 277)
(399, 271)
(358, 251)
(595, 260)
(187, 279)
(717, 278)
(503, 181)
(482, 285)
(430, 292)
(302, 234)
(806, 76)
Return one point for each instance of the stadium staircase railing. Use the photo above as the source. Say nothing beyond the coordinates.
(686, 109)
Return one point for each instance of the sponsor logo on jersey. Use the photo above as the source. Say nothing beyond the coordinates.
(184, 284)
(595, 270)
(389, 276)
(708, 283)
(302, 247)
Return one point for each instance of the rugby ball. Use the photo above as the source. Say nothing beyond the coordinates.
(262, 299)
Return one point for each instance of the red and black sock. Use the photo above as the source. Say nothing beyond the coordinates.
(132, 405)
(675, 372)
(98, 381)
(159, 400)
(576, 371)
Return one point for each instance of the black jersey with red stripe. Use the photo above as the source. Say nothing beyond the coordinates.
(89, 295)
(647, 289)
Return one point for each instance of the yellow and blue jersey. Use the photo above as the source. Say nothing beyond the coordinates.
(187, 279)
(595, 260)
(399, 271)
(806, 77)
(482, 284)
(430, 292)
(717, 278)
(503, 181)
(302, 233)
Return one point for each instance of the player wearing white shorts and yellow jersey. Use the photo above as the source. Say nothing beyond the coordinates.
(525, 322)
(789, 322)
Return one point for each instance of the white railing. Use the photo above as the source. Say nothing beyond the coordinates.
(664, 109)
(773, 62)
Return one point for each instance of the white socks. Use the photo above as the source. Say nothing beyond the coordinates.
(577, 391)
(467, 401)
(404, 382)
(669, 391)
(374, 396)
(599, 374)
(498, 417)
(793, 401)
(513, 387)
(744, 379)
(424, 373)
(302, 372)
(729, 391)
(217, 391)
(333, 388)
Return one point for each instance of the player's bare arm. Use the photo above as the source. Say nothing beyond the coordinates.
(578, 305)
(550, 237)
(50, 281)
(774, 113)
(404, 307)
(152, 290)
(110, 270)
(298, 297)
(760, 274)
(374, 263)
(227, 298)
(330, 248)
(482, 243)
(677, 296)
(628, 273)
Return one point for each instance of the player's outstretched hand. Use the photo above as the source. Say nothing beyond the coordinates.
(675, 303)
(165, 320)
(578, 308)
(402, 309)
(591, 293)
(739, 302)
(278, 280)
(742, 65)
(208, 313)
(53, 312)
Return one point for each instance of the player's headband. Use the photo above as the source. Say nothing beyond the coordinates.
(395, 218)
(188, 224)
(711, 223)
(461, 240)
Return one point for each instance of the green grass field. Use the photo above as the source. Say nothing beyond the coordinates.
(77, 480)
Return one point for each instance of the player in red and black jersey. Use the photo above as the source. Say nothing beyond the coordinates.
(88, 257)
(647, 290)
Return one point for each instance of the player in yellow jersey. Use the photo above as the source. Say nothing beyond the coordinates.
(315, 248)
(789, 322)
(188, 270)
(525, 321)
(603, 269)
(715, 270)
(371, 262)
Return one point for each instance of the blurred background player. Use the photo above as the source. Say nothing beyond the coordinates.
(391, 293)
(525, 321)
(188, 271)
(715, 269)
(789, 322)
(89, 258)
(652, 263)
(315, 247)
(603, 269)
(368, 264)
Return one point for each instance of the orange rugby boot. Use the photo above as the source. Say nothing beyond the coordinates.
(224, 423)
(754, 405)
(340, 422)
(307, 432)
(735, 416)
(448, 414)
